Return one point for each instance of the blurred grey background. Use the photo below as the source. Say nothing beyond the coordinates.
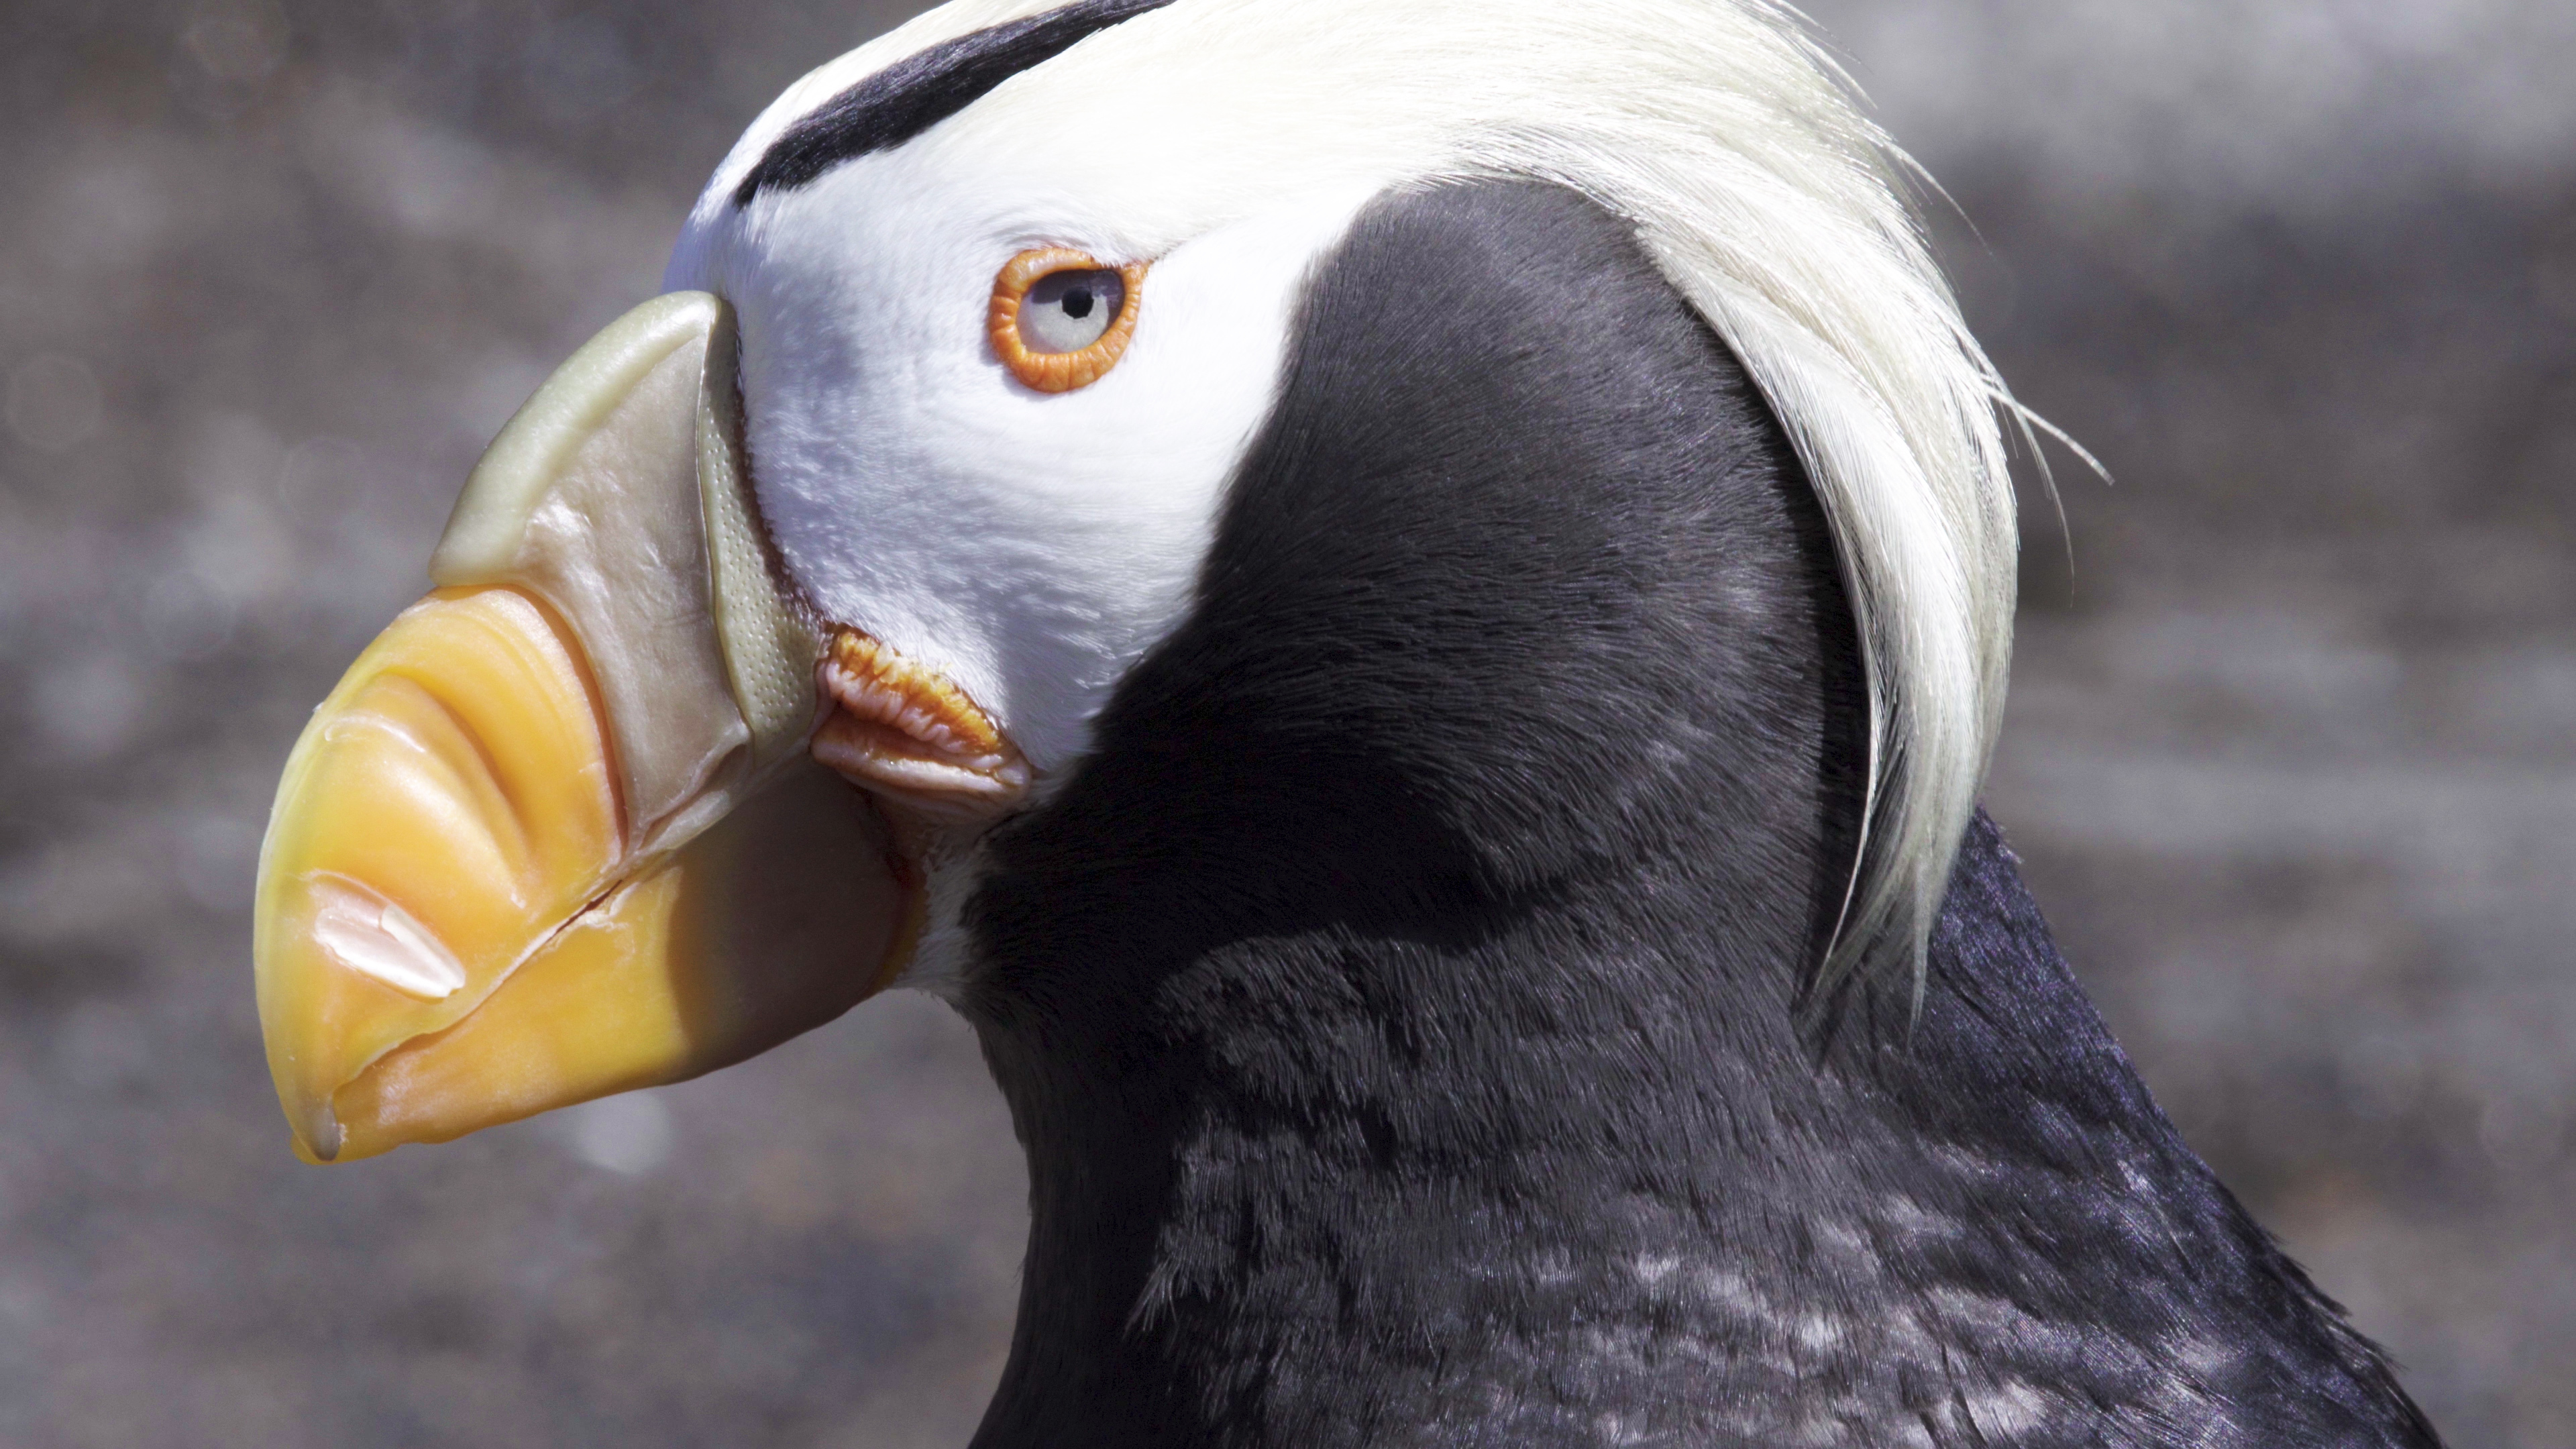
(2290, 756)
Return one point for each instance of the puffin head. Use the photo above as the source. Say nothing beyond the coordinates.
(1039, 388)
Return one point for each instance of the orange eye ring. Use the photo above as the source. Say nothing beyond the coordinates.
(1059, 371)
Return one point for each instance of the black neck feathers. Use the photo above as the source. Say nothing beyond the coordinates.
(1400, 1007)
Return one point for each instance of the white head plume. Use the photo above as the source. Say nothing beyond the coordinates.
(1730, 141)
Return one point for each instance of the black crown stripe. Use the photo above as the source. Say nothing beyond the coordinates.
(921, 90)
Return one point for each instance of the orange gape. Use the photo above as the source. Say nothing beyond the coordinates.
(905, 731)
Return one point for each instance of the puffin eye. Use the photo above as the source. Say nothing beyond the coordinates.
(1060, 319)
(1069, 311)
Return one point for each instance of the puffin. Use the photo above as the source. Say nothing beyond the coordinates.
(1403, 603)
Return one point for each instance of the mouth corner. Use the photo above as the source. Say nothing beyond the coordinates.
(911, 737)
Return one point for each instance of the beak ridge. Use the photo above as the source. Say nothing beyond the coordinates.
(600, 497)
(555, 834)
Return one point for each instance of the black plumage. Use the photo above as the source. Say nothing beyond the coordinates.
(1402, 1005)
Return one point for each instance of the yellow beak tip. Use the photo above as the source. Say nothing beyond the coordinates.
(451, 807)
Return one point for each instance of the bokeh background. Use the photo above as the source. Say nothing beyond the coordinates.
(2290, 755)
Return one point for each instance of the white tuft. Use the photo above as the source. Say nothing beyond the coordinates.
(1718, 127)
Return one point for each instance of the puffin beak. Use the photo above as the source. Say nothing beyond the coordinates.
(558, 833)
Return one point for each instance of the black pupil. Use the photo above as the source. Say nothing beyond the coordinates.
(1077, 302)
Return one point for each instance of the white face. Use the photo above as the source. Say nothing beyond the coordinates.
(1028, 545)
(1032, 547)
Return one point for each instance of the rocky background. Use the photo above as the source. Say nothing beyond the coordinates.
(2291, 759)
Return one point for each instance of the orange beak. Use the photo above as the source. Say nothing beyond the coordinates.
(557, 833)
